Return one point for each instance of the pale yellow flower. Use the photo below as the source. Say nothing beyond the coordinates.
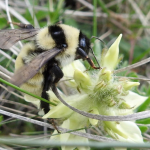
(101, 93)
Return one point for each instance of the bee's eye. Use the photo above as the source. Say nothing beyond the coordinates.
(64, 45)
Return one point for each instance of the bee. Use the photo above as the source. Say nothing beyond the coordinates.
(38, 66)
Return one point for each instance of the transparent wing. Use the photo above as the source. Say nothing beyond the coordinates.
(9, 37)
(29, 70)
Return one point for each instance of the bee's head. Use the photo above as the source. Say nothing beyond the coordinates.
(83, 50)
(84, 44)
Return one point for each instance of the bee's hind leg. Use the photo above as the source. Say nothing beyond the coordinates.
(22, 25)
(52, 75)
(57, 75)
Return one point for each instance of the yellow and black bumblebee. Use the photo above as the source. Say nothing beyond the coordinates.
(38, 66)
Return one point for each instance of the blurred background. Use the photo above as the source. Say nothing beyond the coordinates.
(105, 19)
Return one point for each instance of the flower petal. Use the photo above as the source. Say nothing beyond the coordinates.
(111, 58)
(82, 79)
(53, 97)
(128, 85)
(60, 111)
(134, 99)
(69, 124)
(70, 137)
(131, 130)
(69, 69)
(125, 131)
(69, 72)
(78, 65)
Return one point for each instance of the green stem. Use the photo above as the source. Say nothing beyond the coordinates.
(103, 7)
(94, 18)
(19, 89)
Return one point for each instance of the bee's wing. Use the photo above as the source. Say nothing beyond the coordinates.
(29, 70)
(9, 37)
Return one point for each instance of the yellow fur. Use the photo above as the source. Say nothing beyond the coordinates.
(33, 85)
(24, 52)
(72, 38)
(44, 39)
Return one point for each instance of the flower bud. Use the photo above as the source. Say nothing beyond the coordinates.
(111, 58)
(124, 105)
(82, 79)
(128, 85)
(105, 75)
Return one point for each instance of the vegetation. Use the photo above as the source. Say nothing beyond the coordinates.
(103, 19)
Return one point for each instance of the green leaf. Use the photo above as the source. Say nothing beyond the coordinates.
(143, 129)
(144, 121)
(144, 106)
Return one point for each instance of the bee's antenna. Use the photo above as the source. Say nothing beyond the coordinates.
(95, 57)
(99, 40)
(92, 49)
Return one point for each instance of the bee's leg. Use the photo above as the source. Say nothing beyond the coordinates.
(84, 56)
(57, 75)
(52, 75)
(22, 25)
(45, 106)
(47, 82)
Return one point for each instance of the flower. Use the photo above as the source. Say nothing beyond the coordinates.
(99, 92)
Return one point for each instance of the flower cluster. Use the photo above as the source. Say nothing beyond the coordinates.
(98, 92)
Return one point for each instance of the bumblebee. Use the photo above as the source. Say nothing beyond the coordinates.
(38, 66)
